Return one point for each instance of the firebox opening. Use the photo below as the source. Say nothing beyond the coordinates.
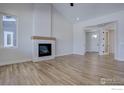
(45, 50)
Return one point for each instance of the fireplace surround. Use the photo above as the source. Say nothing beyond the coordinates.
(43, 48)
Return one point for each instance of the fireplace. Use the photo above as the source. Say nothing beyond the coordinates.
(44, 50)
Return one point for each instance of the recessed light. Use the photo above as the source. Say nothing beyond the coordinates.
(77, 18)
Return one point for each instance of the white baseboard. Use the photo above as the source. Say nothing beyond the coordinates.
(64, 54)
(119, 59)
(79, 53)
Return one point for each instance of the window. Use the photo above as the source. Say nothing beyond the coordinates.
(8, 39)
(9, 31)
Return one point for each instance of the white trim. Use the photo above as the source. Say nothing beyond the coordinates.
(16, 33)
(64, 54)
(119, 59)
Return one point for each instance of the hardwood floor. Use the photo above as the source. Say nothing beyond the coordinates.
(90, 69)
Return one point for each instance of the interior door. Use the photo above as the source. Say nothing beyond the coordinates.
(92, 42)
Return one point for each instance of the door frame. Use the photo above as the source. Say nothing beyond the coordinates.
(106, 52)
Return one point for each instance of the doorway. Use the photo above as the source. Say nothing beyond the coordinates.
(92, 39)
(100, 38)
(109, 36)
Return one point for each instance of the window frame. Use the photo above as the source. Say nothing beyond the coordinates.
(16, 46)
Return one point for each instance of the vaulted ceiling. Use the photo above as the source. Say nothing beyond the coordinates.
(85, 11)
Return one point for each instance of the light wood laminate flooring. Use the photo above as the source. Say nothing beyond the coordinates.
(90, 69)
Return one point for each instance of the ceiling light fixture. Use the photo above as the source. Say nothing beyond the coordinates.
(77, 18)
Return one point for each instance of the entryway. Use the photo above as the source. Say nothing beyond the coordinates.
(100, 38)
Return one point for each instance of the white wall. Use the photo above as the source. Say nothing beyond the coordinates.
(42, 20)
(63, 31)
(78, 39)
(79, 36)
(23, 52)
